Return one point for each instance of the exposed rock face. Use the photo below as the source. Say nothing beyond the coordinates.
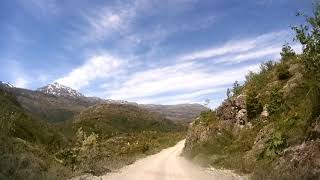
(231, 114)
(294, 81)
(227, 111)
(241, 117)
(260, 142)
(198, 135)
(234, 110)
(240, 101)
(302, 160)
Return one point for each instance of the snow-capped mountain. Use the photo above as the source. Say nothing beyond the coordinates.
(6, 84)
(59, 90)
(70, 101)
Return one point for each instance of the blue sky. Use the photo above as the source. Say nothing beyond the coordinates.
(147, 51)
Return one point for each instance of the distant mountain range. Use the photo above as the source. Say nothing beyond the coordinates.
(56, 133)
(58, 103)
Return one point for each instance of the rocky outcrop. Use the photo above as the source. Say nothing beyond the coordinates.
(234, 110)
(260, 143)
(301, 161)
(232, 115)
(201, 133)
(294, 81)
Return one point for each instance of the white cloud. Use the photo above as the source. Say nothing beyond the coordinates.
(20, 82)
(117, 23)
(100, 66)
(239, 46)
(271, 52)
(188, 97)
(172, 79)
(102, 23)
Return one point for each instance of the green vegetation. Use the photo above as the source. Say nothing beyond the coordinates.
(26, 144)
(99, 139)
(115, 135)
(280, 139)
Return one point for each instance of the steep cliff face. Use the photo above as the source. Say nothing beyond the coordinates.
(268, 128)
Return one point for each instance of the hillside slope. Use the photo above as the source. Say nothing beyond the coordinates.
(26, 144)
(269, 127)
(56, 103)
(108, 136)
(49, 107)
(182, 113)
(101, 138)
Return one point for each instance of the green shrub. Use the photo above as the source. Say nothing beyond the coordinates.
(145, 147)
(254, 107)
(309, 36)
(275, 145)
(283, 72)
(275, 102)
(237, 88)
(287, 52)
(267, 66)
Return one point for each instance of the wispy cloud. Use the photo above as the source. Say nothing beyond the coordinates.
(187, 77)
(270, 52)
(105, 21)
(20, 82)
(187, 97)
(17, 74)
(118, 23)
(248, 46)
(98, 66)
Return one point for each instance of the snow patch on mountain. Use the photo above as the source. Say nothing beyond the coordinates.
(60, 90)
(6, 84)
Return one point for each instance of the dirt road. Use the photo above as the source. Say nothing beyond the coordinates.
(166, 165)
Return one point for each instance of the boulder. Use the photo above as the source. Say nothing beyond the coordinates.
(241, 117)
(240, 101)
(292, 83)
(264, 114)
(260, 143)
(294, 68)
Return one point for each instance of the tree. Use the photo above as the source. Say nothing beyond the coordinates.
(253, 106)
(267, 66)
(207, 102)
(287, 52)
(236, 88)
(228, 93)
(309, 36)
